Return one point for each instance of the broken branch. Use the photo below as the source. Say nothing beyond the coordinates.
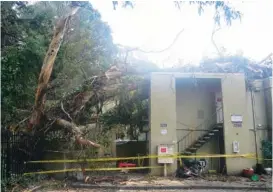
(62, 106)
(71, 127)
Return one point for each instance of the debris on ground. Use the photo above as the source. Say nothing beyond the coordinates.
(147, 180)
(105, 179)
(35, 188)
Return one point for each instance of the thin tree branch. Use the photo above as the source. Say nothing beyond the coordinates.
(268, 57)
(158, 51)
(62, 107)
(213, 42)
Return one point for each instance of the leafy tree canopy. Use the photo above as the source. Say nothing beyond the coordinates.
(224, 11)
(26, 33)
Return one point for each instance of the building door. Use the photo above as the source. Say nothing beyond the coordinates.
(219, 107)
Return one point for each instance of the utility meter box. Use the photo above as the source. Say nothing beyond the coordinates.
(163, 150)
(235, 146)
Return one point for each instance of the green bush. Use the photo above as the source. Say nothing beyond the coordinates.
(267, 152)
(22, 181)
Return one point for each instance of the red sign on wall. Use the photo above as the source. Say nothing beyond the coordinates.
(163, 150)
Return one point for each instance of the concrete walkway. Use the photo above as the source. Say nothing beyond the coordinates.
(137, 183)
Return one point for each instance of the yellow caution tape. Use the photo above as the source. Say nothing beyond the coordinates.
(250, 156)
(94, 169)
(143, 157)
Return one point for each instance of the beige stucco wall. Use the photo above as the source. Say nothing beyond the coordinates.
(163, 110)
(262, 113)
(212, 147)
(236, 100)
(259, 103)
(234, 85)
(189, 100)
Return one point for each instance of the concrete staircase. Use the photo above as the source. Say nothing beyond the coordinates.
(201, 140)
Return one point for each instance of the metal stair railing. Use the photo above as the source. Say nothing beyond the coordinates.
(193, 135)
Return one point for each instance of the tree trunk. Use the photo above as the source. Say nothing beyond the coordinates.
(46, 70)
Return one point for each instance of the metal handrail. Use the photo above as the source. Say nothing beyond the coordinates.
(203, 122)
(200, 125)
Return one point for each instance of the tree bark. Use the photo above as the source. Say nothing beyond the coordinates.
(71, 127)
(47, 67)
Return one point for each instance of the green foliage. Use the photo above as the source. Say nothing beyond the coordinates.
(267, 152)
(10, 25)
(20, 181)
(26, 34)
(223, 10)
(21, 60)
(87, 50)
(131, 109)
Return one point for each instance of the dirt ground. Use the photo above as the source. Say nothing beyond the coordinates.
(212, 180)
(97, 190)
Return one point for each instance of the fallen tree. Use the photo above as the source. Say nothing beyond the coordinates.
(38, 118)
(94, 92)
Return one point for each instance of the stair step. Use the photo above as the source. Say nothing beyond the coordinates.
(211, 133)
(206, 137)
(187, 152)
(192, 148)
(215, 130)
(201, 141)
(197, 144)
(219, 125)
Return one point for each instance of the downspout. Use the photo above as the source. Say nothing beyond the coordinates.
(254, 124)
(268, 99)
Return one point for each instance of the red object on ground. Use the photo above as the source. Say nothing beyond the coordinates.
(121, 164)
(248, 172)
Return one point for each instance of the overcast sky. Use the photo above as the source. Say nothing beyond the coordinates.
(153, 26)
